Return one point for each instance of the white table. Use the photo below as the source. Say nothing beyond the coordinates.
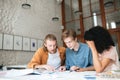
(67, 75)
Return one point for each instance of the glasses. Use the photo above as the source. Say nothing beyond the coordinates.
(69, 42)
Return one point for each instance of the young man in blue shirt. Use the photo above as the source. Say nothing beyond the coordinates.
(78, 55)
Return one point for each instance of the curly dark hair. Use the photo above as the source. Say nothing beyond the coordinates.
(101, 37)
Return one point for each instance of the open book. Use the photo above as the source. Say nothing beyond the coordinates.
(21, 72)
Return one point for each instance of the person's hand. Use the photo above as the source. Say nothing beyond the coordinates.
(62, 68)
(91, 44)
(47, 67)
(80, 70)
(74, 68)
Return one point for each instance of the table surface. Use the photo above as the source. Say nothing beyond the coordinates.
(66, 75)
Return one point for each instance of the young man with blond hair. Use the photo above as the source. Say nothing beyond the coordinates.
(49, 56)
(78, 55)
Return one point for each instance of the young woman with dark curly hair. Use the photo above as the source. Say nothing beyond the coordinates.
(105, 56)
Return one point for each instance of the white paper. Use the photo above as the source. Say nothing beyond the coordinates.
(66, 75)
(5, 79)
(14, 73)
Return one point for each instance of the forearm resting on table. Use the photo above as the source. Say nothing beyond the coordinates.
(97, 63)
(39, 66)
(31, 65)
(91, 68)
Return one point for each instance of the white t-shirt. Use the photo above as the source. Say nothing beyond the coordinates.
(54, 60)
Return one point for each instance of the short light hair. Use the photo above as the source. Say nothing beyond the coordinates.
(69, 33)
(49, 37)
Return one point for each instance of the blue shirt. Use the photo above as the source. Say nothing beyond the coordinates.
(81, 58)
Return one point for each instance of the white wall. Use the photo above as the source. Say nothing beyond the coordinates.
(35, 22)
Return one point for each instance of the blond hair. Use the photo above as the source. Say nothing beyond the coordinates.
(49, 37)
(69, 33)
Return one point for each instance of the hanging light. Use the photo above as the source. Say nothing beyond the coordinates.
(55, 18)
(78, 12)
(95, 19)
(109, 3)
(26, 5)
(75, 8)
